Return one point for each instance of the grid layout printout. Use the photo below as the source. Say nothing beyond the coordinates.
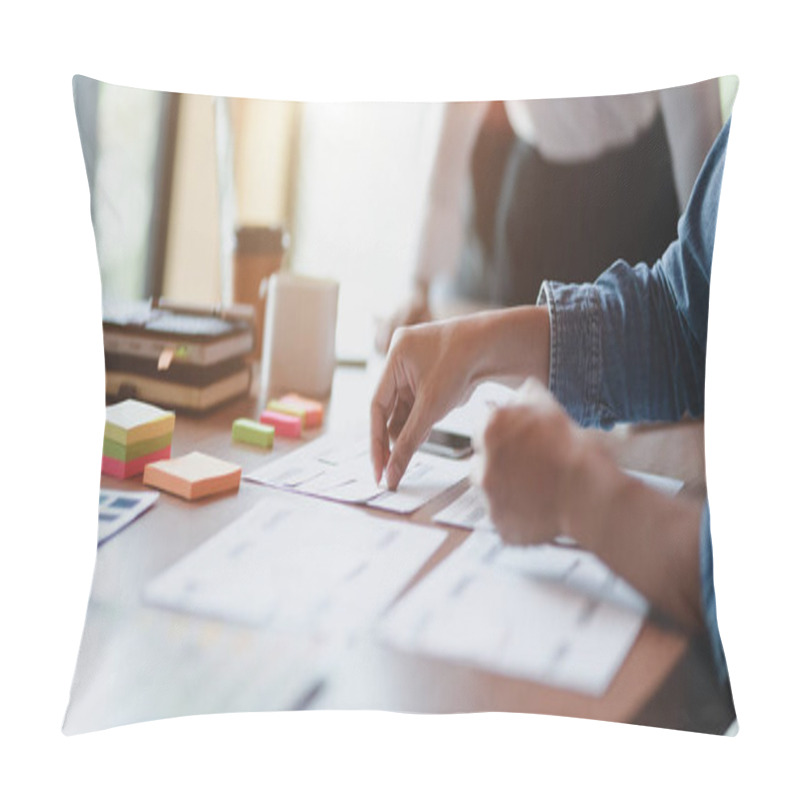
(298, 567)
(551, 614)
(335, 468)
(468, 511)
(118, 509)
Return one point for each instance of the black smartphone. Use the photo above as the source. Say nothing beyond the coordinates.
(450, 445)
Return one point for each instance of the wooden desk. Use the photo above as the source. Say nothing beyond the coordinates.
(176, 664)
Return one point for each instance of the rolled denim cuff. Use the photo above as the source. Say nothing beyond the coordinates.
(575, 348)
(708, 596)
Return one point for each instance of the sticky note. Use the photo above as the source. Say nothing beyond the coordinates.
(132, 421)
(118, 468)
(133, 451)
(284, 424)
(251, 432)
(287, 408)
(314, 410)
(193, 476)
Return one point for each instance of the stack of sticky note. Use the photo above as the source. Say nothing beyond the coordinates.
(193, 476)
(292, 414)
(136, 433)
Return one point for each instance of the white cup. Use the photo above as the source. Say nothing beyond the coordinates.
(299, 352)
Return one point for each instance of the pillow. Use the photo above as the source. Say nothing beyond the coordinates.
(246, 558)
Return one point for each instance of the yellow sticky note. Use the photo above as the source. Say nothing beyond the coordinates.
(288, 408)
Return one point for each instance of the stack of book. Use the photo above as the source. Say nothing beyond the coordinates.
(180, 357)
(135, 435)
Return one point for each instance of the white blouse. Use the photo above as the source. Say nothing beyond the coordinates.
(568, 130)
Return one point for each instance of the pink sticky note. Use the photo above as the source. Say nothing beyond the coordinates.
(313, 409)
(284, 424)
(126, 469)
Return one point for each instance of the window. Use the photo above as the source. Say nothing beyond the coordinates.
(128, 137)
(360, 194)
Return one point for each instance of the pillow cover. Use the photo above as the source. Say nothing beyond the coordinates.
(270, 571)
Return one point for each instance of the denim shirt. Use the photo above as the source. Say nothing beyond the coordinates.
(632, 345)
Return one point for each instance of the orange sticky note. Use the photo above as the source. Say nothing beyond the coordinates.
(193, 476)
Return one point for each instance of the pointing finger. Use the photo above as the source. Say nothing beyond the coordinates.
(383, 402)
(411, 437)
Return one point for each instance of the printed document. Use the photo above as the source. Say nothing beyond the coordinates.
(547, 613)
(118, 509)
(336, 468)
(471, 418)
(293, 565)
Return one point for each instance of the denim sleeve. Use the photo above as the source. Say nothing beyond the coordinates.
(632, 345)
(708, 596)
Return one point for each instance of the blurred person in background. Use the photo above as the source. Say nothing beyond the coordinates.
(554, 188)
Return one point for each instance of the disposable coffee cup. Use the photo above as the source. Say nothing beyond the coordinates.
(299, 348)
(259, 251)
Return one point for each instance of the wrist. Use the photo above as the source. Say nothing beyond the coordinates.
(481, 342)
(591, 486)
(514, 342)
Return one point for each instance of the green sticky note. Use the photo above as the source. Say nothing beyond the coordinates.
(119, 451)
(251, 432)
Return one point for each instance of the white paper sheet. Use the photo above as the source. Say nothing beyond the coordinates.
(469, 510)
(339, 469)
(551, 614)
(290, 566)
(471, 418)
(118, 509)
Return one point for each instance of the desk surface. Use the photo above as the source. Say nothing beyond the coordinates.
(187, 665)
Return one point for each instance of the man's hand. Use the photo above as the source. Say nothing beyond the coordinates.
(529, 453)
(544, 476)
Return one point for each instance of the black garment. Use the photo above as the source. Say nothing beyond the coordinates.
(530, 219)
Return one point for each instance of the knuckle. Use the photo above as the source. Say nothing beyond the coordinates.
(503, 414)
(396, 342)
(502, 427)
(401, 338)
(495, 426)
